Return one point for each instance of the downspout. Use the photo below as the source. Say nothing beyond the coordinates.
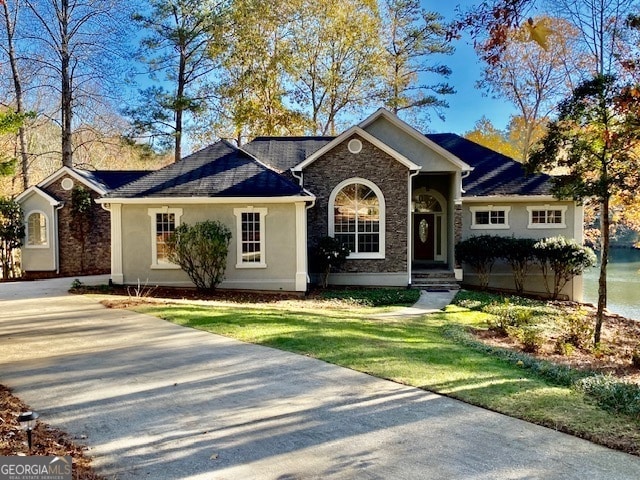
(307, 207)
(409, 227)
(55, 229)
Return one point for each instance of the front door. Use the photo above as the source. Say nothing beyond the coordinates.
(423, 236)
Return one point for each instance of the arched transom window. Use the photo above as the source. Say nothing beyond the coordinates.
(356, 218)
(37, 235)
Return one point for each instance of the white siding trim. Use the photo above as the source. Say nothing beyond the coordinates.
(154, 246)
(301, 247)
(490, 226)
(263, 254)
(117, 275)
(547, 207)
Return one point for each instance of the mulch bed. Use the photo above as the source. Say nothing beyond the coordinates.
(45, 439)
(620, 336)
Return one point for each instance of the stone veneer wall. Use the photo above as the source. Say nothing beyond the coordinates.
(457, 229)
(323, 175)
(97, 255)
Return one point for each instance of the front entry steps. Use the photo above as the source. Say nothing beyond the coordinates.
(434, 280)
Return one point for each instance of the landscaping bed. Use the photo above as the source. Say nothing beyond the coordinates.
(45, 439)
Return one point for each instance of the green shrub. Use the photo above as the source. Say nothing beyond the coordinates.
(329, 254)
(612, 394)
(12, 232)
(480, 253)
(564, 259)
(518, 252)
(530, 337)
(576, 329)
(505, 315)
(201, 251)
(563, 348)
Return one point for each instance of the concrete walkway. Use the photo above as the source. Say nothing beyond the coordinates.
(157, 401)
(429, 302)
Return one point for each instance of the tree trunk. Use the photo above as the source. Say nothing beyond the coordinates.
(17, 86)
(604, 260)
(67, 94)
(180, 105)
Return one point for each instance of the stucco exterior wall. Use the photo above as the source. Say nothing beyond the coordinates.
(502, 275)
(408, 146)
(280, 246)
(391, 177)
(37, 260)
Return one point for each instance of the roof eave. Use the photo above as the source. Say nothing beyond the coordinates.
(207, 200)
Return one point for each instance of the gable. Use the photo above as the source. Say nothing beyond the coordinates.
(35, 191)
(415, 146)
(360, 135)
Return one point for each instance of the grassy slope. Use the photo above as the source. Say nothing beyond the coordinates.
(412, 352)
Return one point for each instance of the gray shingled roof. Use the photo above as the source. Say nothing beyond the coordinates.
(112, 179)
(284, 153)
(219, 170)
(493, 173)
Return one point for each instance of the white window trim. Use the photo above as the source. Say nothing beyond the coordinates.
(491, 226)
(263, 253)
(155, 265)
(332, 198)
(547, 207)
(46, 229)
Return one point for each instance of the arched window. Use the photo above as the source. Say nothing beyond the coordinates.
(356, 217)
(37, 235)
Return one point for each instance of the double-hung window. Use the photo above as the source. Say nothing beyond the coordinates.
(250, 235)
(164, 222)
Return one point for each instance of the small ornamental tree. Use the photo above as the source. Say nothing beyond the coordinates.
(201, 251)
(480, 253)
(11, 235)
(565, 258)
(519, 253)
(330, 254)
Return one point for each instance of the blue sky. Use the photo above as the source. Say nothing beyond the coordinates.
(469, 104)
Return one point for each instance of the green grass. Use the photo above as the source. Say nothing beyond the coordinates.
(412, 351)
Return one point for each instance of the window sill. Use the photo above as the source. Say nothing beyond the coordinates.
(36, 247)
(251, 265)
(534, 226)
(365, 256)
(489, 227)
(169, 266)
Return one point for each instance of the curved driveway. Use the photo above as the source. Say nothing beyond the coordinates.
(157, 401)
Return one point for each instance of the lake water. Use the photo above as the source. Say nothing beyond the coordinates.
(623, 283)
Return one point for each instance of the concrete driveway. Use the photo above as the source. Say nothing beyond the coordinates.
(158, 401)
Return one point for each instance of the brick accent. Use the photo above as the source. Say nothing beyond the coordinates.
(337, 165)
(97, 249)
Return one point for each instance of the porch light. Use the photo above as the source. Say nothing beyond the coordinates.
(27, 422)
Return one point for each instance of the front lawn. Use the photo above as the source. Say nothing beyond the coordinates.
(420, 352)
